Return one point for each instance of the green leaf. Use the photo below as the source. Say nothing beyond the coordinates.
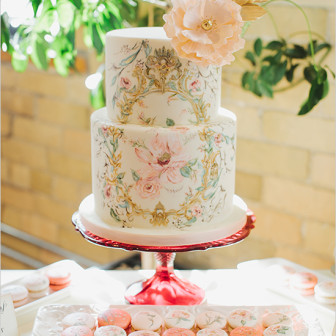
(249, 55)
(19, 61)
(290, 72)
(321, 76)
(47, 17)
(5, 36)
(192, 162)
(135, 176)
(114, 215)
(258, 46)
(77, 3)
(39, 53)
(61, 65)
(66, 13)
(296, 52)
(248, 80)
(192, 220)
(97, 39)
(264, 88)
(35, 5)
(279, 72)
(170, 122)
(274, 45)
(310, 73)
(185, 171)
(120, 176)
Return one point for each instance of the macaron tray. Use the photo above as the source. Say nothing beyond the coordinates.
(295, 281)
(50, 320)
(43, 286)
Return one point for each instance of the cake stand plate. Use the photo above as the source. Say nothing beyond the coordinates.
(164, 287)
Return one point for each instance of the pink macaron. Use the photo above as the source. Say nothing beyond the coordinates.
(245, 331)
(178, 332)
(114, 316)
(79, 319)
(303, 283)
(110, 330)
(77, 331)
(18, 293)
(59, 278)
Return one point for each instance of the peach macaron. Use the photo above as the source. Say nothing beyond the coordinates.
(59, 278)
(114, 316)
(110, 330)
(245, 331)
(18, 293)
(79, 319)
(178, 332)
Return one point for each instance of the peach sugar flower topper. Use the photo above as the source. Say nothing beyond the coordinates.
(207, 32)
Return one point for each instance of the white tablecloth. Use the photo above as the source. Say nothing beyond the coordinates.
(230, 287)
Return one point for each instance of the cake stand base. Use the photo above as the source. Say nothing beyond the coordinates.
(164, 287)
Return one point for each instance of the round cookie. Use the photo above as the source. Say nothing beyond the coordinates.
(325, 292)
(211, 319)
(59, 278)
(110, 330)
(77, 331)
(144, 333)
(245, 331)
(79, 319)
(114, 316)
(211, 332)
(178, 332)
(18, 293)
(279, 330)
(303, 283)
(275, 318)
(146, 320)
(37, 285)
(242, 318)
(179, 319)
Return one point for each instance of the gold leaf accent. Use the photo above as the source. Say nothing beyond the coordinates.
(159, 215)
(251, 12)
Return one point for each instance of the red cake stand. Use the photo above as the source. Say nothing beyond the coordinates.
(164, 287)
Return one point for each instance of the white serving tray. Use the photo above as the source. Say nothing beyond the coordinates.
(48, 321)
(260, 267)
(52, 296)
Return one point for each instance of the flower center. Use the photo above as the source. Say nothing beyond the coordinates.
(164, 159)
(207, 24)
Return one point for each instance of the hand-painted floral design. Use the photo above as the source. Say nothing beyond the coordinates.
(205, 31)
(108, 190)
(195, 85)
(196, 211)
(148, 187)
(125, 83)
(165, 156)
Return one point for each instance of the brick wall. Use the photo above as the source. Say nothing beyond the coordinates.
(285, 163)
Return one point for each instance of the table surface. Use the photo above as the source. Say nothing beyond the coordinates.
(230, 287)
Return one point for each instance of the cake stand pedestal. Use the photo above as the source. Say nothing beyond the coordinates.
(164, 287)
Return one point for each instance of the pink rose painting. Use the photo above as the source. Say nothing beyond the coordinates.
(148, 187)
(125, 83)
(205, 31)
(164, 157)
(195, 85)
(108, 190)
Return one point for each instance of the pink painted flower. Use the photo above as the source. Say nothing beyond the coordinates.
(165, 156)
(196, 211)
(148, 187)
(219, 139)
(205, 31)
(195, 85)
(108, 190)
(125, 83)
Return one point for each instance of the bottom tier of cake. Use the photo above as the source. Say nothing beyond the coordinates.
(160, 236)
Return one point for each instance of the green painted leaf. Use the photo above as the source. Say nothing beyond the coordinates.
(192, 220)
(172, 86)
(148, 50)
(135, 176)
(114, 215)
(258, 46)
(124, 205)
(170, 122)
(192, 162)
(185, 171)
(121, 176)
(128, 60)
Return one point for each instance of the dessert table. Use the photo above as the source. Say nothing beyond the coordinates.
(230, 287)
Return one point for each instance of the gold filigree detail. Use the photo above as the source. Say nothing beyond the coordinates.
(159, 216)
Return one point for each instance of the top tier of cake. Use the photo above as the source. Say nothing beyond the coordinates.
(148, 84)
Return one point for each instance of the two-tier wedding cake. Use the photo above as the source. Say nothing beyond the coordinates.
(163, 150)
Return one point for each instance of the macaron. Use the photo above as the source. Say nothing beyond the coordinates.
(110, 330)
(77, 331)
(114, 316)
(211, 332)
(280, 275)
(325, 292)
(144, 333)
(37, 285)
(245, 331)
(211, 319)
(179, 319)
(275, 318)
(178, 332)
(79, 319)
(18, 293)
(303, 283)
(59, 278)
(279, 330)
(242, 318)
(147, 320)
